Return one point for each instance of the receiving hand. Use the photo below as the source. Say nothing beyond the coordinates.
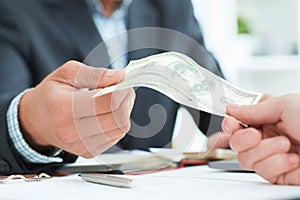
(271, 144)
(221, 139)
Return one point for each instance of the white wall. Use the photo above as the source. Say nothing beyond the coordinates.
(275, 35)
(274, 22)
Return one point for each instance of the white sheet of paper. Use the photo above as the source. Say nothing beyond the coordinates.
(187, 183)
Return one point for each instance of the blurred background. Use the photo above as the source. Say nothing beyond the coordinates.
(257, 42)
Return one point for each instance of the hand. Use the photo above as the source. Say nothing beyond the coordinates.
(271, 145)
(221, 139)
(60, 112)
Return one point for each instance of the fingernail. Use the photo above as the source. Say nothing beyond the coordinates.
(112, 72)
(281, 144)
(294, 159)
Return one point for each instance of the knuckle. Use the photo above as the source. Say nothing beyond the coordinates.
(126, 128)
(71, 64)
(69, 67)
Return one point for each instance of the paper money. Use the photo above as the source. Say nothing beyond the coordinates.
(183, 80)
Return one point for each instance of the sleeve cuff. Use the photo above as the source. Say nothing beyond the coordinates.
(17, 137)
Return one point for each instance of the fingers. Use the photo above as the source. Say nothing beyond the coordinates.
(218, 140)
(100, 149)
(79, 75)
(221, 139)
(97, 133)
(84, 105)
(290, 177)
(263, 150)
(245, 139)
(106, 122)
(95, 145)
(279, 168)
(230, 125)
(89, 125)
(261, 113)
(93, 78)
(92, 146)
(267, 157)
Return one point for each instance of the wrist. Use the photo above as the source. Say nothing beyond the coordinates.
(16, 136)
(26, 120)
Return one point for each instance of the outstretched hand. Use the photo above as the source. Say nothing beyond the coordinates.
(61, 112)
(271, 144)
(221, 139)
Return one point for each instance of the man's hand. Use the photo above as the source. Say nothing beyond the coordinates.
(221, 139)
(61, 112)
(271, 144)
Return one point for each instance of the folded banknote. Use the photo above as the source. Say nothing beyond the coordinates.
(183, 80)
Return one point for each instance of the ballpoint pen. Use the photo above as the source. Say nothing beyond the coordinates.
(105, 179)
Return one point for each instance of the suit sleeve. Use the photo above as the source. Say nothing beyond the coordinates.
(15, 76)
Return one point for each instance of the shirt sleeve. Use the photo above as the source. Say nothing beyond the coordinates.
(17, 137)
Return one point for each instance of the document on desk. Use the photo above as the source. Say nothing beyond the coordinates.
(123, 161)
(137, 161)
(183, 80)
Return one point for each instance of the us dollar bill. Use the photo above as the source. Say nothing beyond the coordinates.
(183, 80)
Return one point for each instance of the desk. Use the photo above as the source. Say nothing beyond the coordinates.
(198, 182)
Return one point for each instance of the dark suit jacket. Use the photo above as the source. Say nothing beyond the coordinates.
(37, 36)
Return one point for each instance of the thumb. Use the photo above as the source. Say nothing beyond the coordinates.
(259, 114)
(79, 75)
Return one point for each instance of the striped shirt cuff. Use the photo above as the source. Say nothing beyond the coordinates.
(17, 137)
